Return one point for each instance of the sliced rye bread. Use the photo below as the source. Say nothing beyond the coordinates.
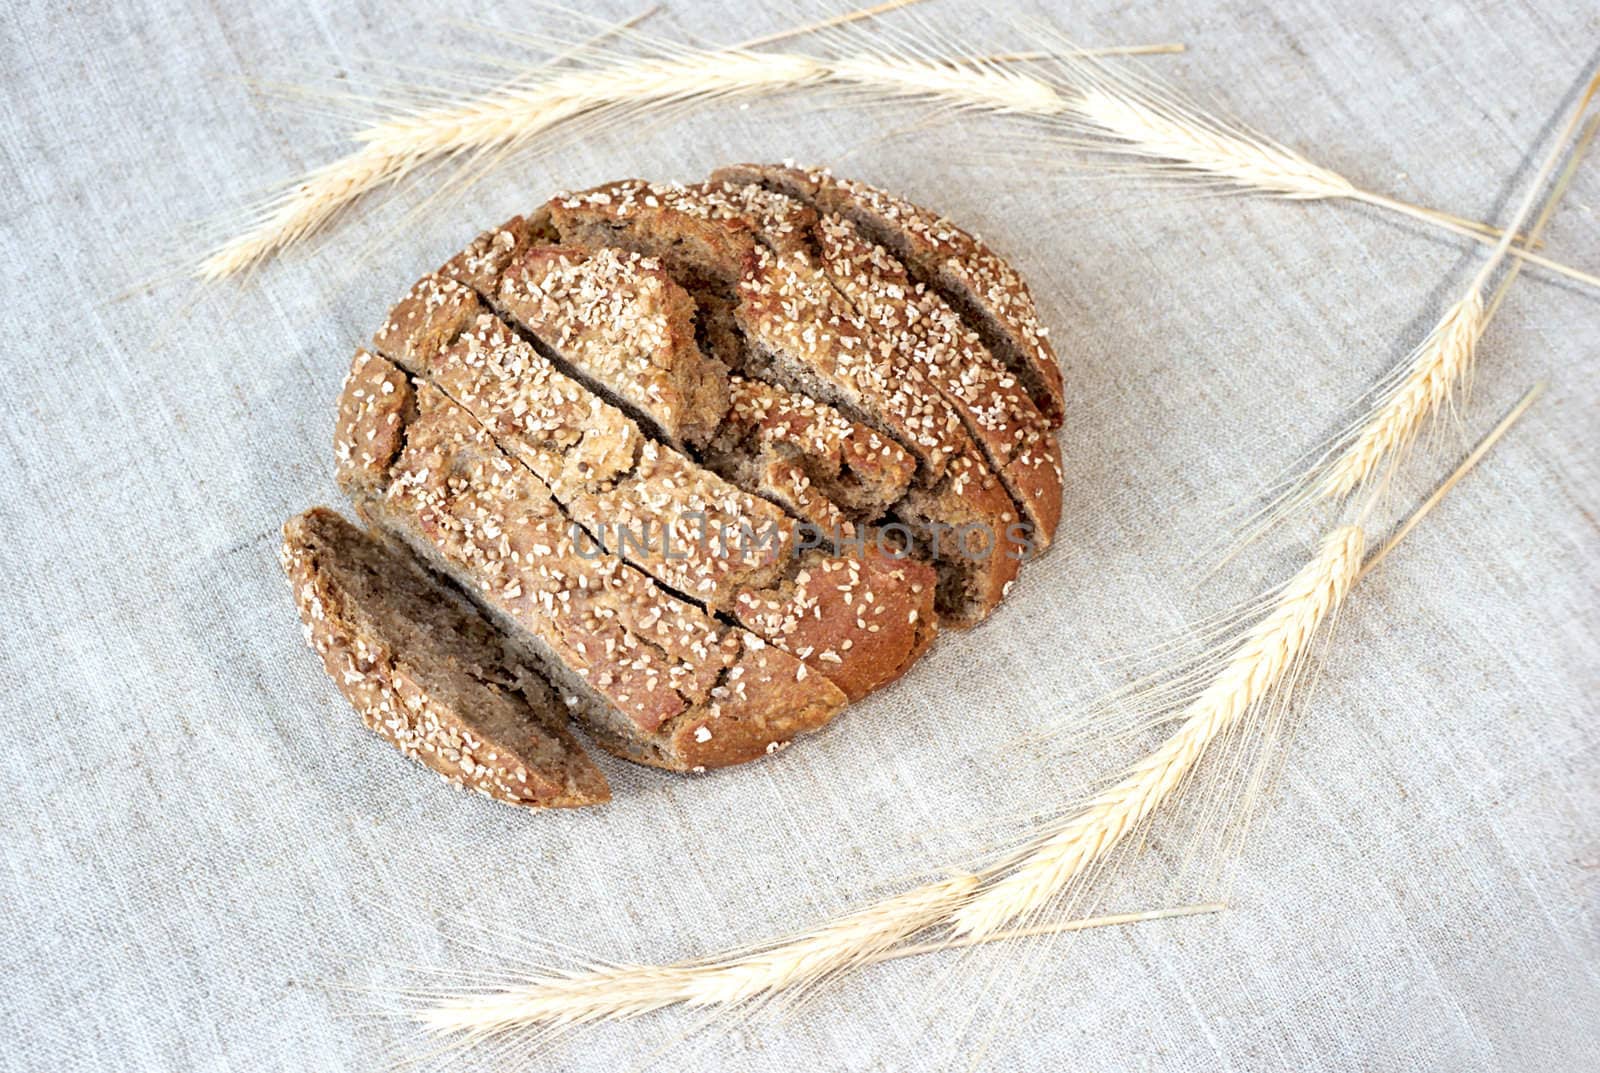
(923, 330)
(867, 615)
(958, 266)
(425, 671)
(798, 332)
(1014, 437)
(795, 331)
(655, 679)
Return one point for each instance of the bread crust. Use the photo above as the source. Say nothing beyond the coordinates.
(1014, 437)
(619, 320)
(797, 331)
(794, 319)
(427, 674)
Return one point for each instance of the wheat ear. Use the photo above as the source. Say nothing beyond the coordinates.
(1256, 668)
(504, 119)
(1112, 111)
(581, 997)
(1431, 372)
(1436, 368)
(564, 999)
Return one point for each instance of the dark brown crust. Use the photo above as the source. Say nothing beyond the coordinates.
(439, 690)
(370, 427)
(956, 264)
(656, 679)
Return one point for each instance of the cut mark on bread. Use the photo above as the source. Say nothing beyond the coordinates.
(792, 329)
(699, 537)
(927, 335)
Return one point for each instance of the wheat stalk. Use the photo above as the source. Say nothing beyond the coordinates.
(1432, 371)
(975, 906)
(1419, 386)
(513, 116)
(1258, 666)
(505, 119)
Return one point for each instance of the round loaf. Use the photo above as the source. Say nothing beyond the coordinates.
(712, 459)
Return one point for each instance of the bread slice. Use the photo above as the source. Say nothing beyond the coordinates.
(425, 671)
(955, 264)
(695, 533)
(656, 679)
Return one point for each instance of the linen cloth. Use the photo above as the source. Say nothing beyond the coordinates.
(203, 849)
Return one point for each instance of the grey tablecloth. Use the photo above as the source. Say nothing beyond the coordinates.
(201, 845)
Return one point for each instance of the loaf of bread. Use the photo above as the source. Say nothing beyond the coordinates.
(691, 465)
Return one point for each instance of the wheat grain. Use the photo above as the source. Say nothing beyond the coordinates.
(504, 119)
(1433, 370)
(1158, 132)
(1257, 667)
(1113, 111)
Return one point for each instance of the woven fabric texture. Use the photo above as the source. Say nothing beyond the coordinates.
(204, 851)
